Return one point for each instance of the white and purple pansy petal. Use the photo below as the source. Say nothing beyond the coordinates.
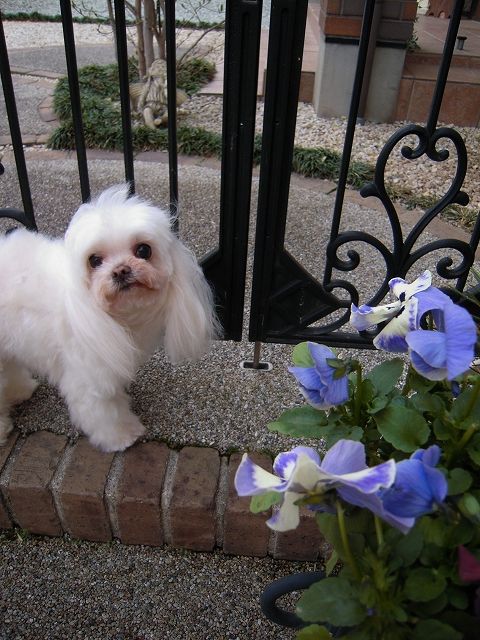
(320, 354)
(373, 503)
(371, 479)
(449, 351)
(418, 488)
(346, 456)
(287, 516)
(461, 332)
(285, 463)
(364, 317)
(404, 291)
(336, 392)
(392, 337)
(432, 299)
(345, 464)
(251, 479)
(428, 353)
(306, 476)
(429, 456)
(307, 377)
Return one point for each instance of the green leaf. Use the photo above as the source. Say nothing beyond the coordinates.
(462, 414)
(427, 403)
(302, 422)
(386, 375)
(469, 506)
(334, 433)
(441, 430)
(314, 632)
(457, 597)
(473, 449)
(332, 600)
(331, 562)
(378, 403)
(301, 355)
(459, 481)
(409, 547)
(435, 629)
(402, 427)
(424, 584)
(259, 504)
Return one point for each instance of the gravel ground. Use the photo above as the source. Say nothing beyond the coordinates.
(68, 590)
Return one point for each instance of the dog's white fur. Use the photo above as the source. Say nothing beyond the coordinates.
(88, 328)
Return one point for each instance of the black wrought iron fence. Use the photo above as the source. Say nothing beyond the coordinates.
(288, 303)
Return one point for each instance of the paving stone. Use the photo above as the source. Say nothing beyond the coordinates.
(192, 505)
(80, 493)
(5, 521)
(302, 543)
(138, 498)
(244, 533)
(28, 491)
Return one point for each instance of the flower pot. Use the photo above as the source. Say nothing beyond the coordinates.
(283, 586)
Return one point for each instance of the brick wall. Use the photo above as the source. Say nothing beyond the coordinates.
(343, 19)
(149, 495)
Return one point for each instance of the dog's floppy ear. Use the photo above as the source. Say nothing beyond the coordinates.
(190, 323)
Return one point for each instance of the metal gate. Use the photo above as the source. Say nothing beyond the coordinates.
(288, 303)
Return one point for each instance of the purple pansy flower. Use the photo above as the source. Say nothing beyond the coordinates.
(448, 351)
(319, 384)
(300, 473)
(444, 353)
(418, 486)
(401, 314)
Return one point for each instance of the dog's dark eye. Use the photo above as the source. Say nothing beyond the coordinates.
(95, 261)
(143, 251)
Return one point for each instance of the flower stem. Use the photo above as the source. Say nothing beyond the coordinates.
(345, 542)
(378, 530)
(358, 395)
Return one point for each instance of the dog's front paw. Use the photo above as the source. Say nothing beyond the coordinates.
(21, 391)
(118, 437)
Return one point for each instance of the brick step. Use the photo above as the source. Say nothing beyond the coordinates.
(461, 101)
(147, 495)
(426, 58)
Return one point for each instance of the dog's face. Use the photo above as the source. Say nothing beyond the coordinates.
(121, 251)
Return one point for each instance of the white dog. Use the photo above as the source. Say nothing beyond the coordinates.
(86, 311)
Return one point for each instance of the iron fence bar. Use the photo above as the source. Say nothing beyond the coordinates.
(363, 46)
(284, 65)
(75, 99)
(225, 267)
(444, 68)
(27, 216)
(122, 59)
(171, 51)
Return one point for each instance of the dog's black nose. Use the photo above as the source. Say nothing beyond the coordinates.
(122, 274)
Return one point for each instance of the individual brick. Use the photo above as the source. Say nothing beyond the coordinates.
(139, 490)
(79, 493)
(302, 543)
(192, 504)
(244, 533)
(28, 492)
(5, 450)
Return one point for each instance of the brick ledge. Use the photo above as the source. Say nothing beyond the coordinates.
(147, 495)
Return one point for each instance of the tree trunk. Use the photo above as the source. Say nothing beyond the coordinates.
(142, 67)
(148, 31)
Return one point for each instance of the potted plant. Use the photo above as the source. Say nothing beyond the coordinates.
(397, 491)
